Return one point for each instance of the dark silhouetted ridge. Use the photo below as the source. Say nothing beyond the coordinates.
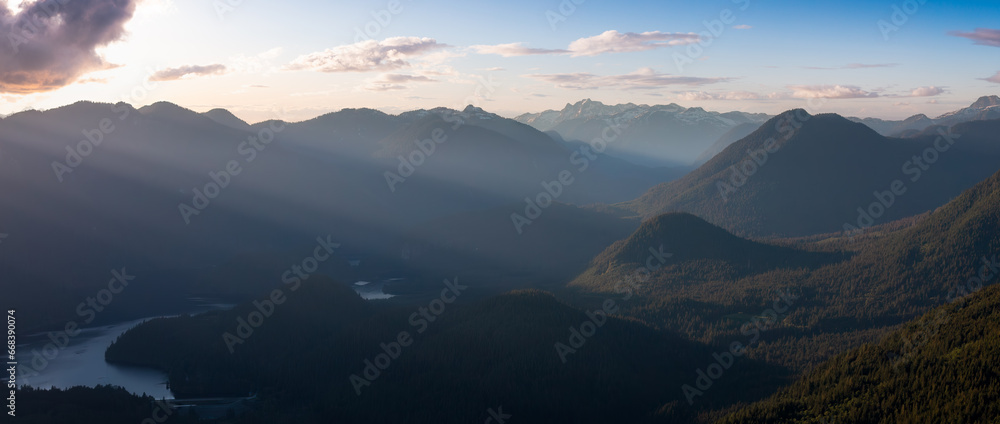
(227, 118)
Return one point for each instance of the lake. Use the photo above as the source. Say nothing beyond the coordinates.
(373, 291)
(81, 362)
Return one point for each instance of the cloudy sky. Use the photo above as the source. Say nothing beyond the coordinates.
(296, 59)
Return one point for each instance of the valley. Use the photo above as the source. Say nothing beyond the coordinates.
(556, 211)
(738, 315)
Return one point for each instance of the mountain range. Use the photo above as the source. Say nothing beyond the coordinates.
(788, 278)
(672, 135)
(782, 303)
(659, 135)
(165, 188)
(800, 174)
(950, 261)
(986, 108)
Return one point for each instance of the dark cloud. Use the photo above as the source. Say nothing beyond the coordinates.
(171, 74)
(48, 44)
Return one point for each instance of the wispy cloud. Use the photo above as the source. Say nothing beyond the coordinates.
(171, 74)
(370, 55)
(995, 78)
(830, 92)
(616, 42)
(855, 66)
(607, 42)
(732, 95)
(808, 91)
(982, 36)
(867, 65)
(513, 49)
(93, 80)
(644, 78)
(389, 82)
(742, 27)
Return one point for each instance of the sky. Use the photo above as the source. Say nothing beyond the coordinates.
(298, 59)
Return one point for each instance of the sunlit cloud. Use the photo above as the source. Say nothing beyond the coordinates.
(616, 42)
(92, 80)
(51, 44)
(365, 56)
(830, 92)
(995, 78)
(929, 91)
(514, 49)
(607, 42)
(172, 74)
(732, 95)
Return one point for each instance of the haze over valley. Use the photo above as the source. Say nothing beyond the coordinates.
(579, 212)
